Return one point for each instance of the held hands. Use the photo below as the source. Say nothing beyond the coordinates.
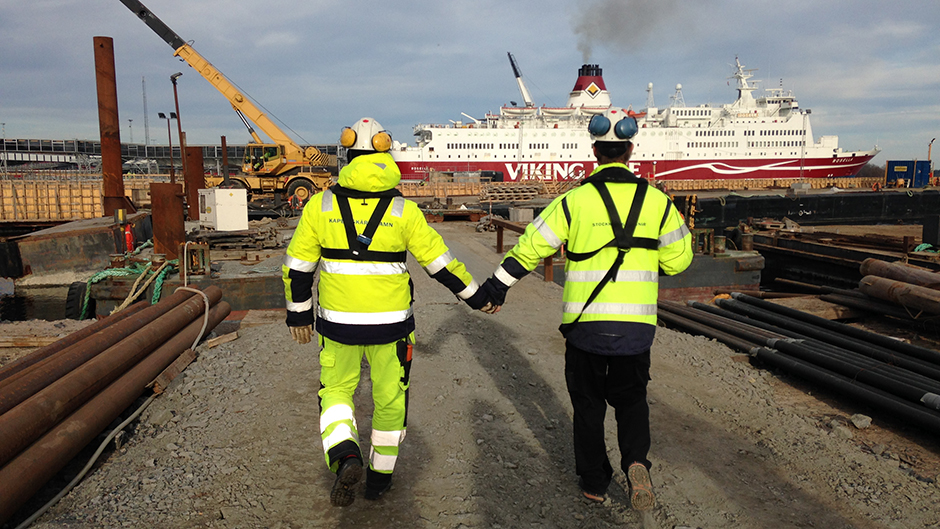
(495, 292)
(482, 301)
(489, 308)
(302, 334)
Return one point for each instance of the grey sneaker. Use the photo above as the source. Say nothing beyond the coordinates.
(347, 477)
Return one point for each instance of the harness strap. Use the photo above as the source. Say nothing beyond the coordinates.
(623, 234)
(359, 243)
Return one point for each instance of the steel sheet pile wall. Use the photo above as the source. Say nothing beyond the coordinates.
(895, 377)
(57, 400)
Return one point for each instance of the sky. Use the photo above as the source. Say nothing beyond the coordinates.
(869, 72)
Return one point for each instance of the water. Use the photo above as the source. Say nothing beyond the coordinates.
(32, 303)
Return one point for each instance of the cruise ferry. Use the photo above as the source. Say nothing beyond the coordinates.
(758, 136)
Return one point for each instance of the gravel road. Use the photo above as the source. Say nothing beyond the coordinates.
(234, 442)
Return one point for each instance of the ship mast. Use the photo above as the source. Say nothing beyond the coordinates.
(525, 93)
(745, 99)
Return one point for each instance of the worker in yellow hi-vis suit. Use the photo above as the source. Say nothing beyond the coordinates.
(358, 232)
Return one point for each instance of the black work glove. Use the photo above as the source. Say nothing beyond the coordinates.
(496, 291)
(478, 300)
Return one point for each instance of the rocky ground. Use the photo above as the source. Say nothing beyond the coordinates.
(234, 442)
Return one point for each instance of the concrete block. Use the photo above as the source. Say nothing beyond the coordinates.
(520, 214)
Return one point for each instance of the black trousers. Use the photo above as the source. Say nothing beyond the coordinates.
(593, 382)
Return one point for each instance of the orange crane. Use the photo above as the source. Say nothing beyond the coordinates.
(281, 165)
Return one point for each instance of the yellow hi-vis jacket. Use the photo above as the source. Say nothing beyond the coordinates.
(621, 318)
(365, 294)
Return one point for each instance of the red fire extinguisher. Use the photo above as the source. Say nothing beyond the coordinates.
(128, 238)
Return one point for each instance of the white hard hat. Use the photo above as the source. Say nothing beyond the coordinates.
(614, 124)
(366, 135)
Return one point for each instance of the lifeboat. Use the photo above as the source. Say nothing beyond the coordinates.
(558, 111)
(594, 110)
(517, 111)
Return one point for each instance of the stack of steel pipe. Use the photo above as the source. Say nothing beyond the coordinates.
(55, 404)
(896, 377)
(906, 291)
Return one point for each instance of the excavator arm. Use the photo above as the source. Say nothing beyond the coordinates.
(247, 111)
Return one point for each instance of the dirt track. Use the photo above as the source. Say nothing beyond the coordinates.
(234, 442)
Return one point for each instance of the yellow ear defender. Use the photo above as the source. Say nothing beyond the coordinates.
(347, 138)
(382, 141)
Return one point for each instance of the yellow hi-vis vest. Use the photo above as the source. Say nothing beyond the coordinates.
(621, 317)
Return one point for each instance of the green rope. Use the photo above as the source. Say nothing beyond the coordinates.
(135, 269)
(158, 283)
(925, 247)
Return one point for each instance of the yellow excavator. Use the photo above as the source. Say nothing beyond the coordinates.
(281, 166)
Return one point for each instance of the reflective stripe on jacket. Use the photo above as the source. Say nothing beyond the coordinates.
(622, 318)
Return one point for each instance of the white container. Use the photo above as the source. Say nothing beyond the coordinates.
(223, 209)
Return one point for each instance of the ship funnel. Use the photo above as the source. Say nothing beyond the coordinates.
(589, 90)
(590, 70)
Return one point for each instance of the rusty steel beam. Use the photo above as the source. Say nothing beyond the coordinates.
(23, 385)
(110, 128)
(25, 423)
(23, 476)
(195, 177)
(42, 353)
(169, 228)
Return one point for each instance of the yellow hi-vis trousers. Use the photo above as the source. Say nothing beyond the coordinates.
(340, 365)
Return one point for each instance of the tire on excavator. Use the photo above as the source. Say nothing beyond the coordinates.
(299, 192)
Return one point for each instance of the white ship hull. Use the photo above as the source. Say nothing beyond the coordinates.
(763, 138)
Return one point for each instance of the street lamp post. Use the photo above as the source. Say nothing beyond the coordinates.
(179, 124)
(4, 127)
(929, 163)
(169, 134)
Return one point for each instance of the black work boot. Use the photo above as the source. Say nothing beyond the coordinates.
(377, 484)
(347, 476)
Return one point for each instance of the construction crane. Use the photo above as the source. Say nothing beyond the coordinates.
(281, 166)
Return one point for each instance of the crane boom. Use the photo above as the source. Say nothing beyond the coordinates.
(292, 152)
(526, 98)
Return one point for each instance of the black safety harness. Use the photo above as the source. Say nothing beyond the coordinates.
(624, 239)
(359, 243)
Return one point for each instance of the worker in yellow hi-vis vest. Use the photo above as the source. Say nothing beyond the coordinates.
(620, 234)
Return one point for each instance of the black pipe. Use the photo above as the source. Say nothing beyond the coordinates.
(873, 351)
(877, 380)
(897, 373)
(831, 357)
(869, 337)
(904, 374)
(718, 311)
(705, 330)
(898, 408)
(739, 329)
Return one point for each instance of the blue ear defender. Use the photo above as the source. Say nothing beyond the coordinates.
(599, 125)
(625, 129)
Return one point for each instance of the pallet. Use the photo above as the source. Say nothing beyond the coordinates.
(511, 191)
